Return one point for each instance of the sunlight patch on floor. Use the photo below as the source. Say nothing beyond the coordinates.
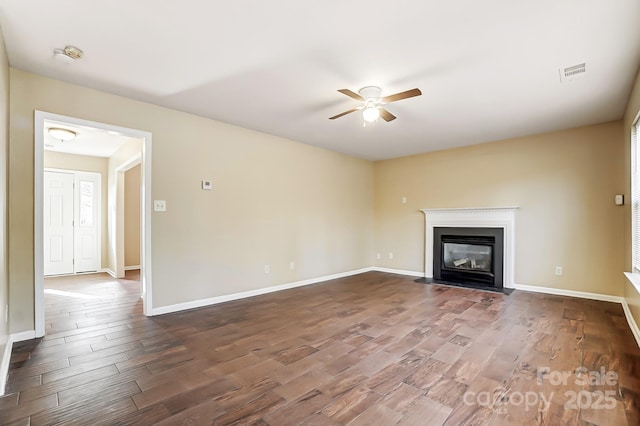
(69, 294)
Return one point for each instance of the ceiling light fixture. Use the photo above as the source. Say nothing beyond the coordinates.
(371, 113)
(61, 134)
(373, 104)
(68, 55)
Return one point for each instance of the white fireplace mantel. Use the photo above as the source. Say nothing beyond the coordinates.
(490, 217)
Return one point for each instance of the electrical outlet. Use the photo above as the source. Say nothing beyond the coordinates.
(619, 199)
(558, 270)
(292, 265)
(159, 205)
(390, 255)
(377, 255)
(207, 185)
(266, 269)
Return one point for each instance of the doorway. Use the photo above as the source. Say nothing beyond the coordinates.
(72, 222)
(115, 228)
(132, 218)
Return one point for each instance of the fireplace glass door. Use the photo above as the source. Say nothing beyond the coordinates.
(471, 256)
(467, 257)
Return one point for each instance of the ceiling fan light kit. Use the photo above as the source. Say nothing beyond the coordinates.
(371, 113)
(372, 102)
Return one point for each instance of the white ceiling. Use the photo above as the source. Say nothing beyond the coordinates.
(88, 141)
(488, 69)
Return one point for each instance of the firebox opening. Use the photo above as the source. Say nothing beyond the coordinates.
(468, 256)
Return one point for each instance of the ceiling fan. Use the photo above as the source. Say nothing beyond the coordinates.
(372, 103)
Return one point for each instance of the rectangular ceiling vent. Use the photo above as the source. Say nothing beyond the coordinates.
(572, 73)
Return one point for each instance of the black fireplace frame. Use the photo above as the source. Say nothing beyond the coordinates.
(493, 237)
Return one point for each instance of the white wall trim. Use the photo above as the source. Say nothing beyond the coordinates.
(570, 293)
(634, 279)
(6, 356)
(108, 271)
(145, 229)
(398, 271)
(593, 296)
(4, 365)
(22, 336)
(118, 232)
(130, 163)
(132, 268)
(38, 228)
(632, 322)
(476, 217)
(257, 292)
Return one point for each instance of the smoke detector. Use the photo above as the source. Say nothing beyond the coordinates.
(573, 72)
(68, 55)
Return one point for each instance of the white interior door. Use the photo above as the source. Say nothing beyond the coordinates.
(58, 223)
(87, 222)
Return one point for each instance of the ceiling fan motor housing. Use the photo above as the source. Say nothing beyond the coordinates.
(370, 92)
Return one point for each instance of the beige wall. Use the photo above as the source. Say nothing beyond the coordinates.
(633, 109)
(132, 217)
(274, 200)
(563, 182)
(60, 160)
(4, 144)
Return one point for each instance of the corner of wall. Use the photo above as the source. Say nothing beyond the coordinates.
(5, 341)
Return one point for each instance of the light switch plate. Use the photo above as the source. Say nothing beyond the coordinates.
(207, 184)
(619, 200)
(159, 205)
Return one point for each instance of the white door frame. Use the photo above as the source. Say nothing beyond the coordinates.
(120, 237)
(145, 201)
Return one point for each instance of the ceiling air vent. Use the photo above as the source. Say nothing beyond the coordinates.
(572, 73)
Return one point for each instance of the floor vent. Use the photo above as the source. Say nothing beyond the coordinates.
(573, 72)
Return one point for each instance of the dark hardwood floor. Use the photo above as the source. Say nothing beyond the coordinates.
(372, 349)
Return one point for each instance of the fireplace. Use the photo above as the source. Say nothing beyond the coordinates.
(503, 218)
(471, 256)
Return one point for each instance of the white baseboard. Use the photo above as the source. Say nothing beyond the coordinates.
(593, 296)
(4, 365)
(570, 293)
(6, 356)
(22, 336)
(398, 271)
(109, 271)
(632, 322)
(242, 295)
(132, 268)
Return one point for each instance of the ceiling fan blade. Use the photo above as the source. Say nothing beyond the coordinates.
(351, 94)
(386, 115)
(344, 113)
(402, 95)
